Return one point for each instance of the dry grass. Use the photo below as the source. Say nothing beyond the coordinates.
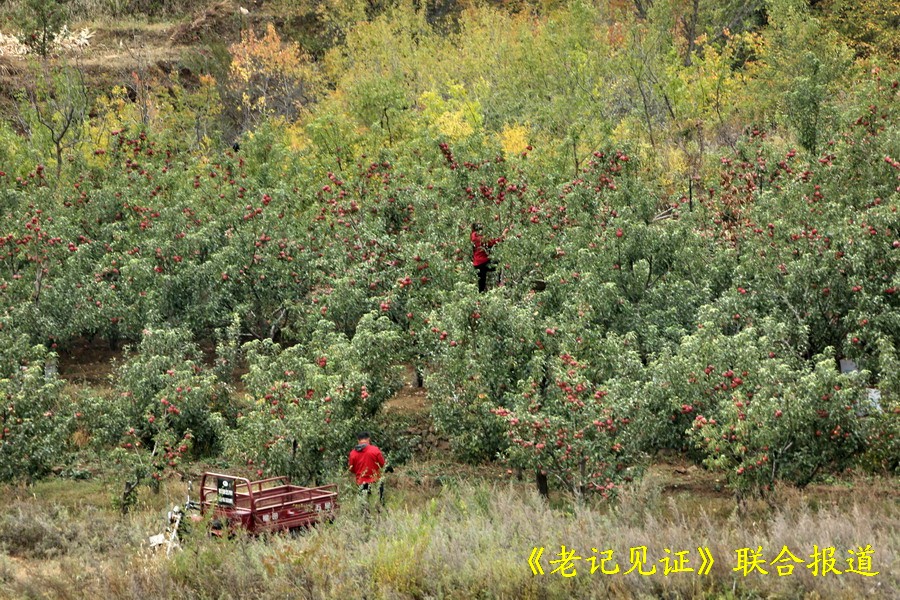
(458, 540)
(104, 10)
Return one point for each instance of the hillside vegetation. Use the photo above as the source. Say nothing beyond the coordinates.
(264, 213)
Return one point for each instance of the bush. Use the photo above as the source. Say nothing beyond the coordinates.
(40, 21)
(169, 389)
(754, 409)
(479, 349)
(310, 400)
(881, 420)
(564, 424)
(35, 419)
(173, 405)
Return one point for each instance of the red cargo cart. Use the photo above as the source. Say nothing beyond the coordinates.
(266, 505)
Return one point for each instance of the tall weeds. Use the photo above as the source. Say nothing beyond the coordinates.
(471, 541)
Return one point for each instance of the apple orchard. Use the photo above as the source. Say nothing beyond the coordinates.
(268, 299)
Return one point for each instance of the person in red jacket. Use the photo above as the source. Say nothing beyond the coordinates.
(480, 259)
(366, 462)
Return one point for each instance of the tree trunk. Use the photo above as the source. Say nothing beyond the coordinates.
(540, 480)
(691, 33)
(59, 153)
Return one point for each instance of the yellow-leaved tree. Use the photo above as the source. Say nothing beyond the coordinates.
(455, 117)
(270, 77)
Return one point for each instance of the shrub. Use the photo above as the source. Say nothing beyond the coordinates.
(40, 21)
(564, 424)
(35, 420)
(311, 399)
(881, 419)
(755, 410)
(173, 405)
(479, 348)
(271, 77)
(169, 389)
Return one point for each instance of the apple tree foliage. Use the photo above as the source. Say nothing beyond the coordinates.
(309, 400)
(36, 419)
(689, 241)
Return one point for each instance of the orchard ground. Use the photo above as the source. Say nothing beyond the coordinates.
(449, 530)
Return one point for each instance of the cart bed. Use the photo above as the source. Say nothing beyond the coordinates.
(268, 504)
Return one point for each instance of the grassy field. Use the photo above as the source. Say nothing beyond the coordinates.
(452, 532)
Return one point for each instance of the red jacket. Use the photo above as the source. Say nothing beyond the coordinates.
(479, 255)
(365, 462)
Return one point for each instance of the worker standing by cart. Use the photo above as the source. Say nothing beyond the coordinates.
(366, 462)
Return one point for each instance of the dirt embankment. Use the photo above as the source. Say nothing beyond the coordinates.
(113, 50)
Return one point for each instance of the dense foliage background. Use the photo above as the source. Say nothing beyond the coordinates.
(700, 201)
